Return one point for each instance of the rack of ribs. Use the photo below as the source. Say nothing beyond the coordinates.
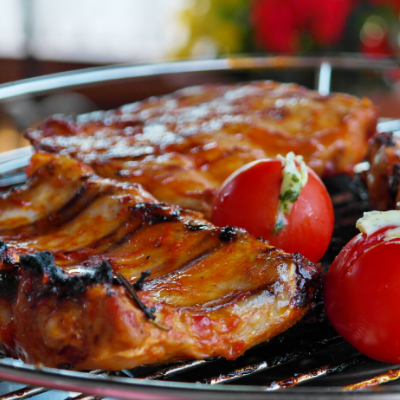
(383, 176)
(181, 147)
(96, 273)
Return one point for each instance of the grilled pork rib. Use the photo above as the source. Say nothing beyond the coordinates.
(74, 255)
(181, 147)
(383, 176)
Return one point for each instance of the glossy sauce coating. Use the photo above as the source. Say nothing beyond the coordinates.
(215, 291)
(181, 147)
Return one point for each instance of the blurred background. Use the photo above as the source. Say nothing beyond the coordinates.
(39, 37)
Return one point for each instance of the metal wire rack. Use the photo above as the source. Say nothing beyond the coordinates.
(308, 361)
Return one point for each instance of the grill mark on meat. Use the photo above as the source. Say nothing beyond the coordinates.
(157, 213)
(307, 281)
(43, 269)
(220, 290)
(234, 297)
(228, 233)
(107, 243)
(151, 282)
(208, 237)
(171, 288)
(215, 129)
(83, 199)
(128, 235)
(148, 214)
(118, 236)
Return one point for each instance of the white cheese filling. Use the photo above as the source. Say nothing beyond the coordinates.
(294, 178)
(373, 221)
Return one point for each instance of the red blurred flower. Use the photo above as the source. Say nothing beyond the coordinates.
(278, 24)
(328, 23)
(274, 25)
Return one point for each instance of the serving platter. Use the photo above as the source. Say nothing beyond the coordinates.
(311, 354)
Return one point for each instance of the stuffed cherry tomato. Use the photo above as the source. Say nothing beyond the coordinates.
(362, 288)
(280, 200)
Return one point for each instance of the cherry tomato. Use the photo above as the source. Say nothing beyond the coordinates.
(249, 199)
(362, 294)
